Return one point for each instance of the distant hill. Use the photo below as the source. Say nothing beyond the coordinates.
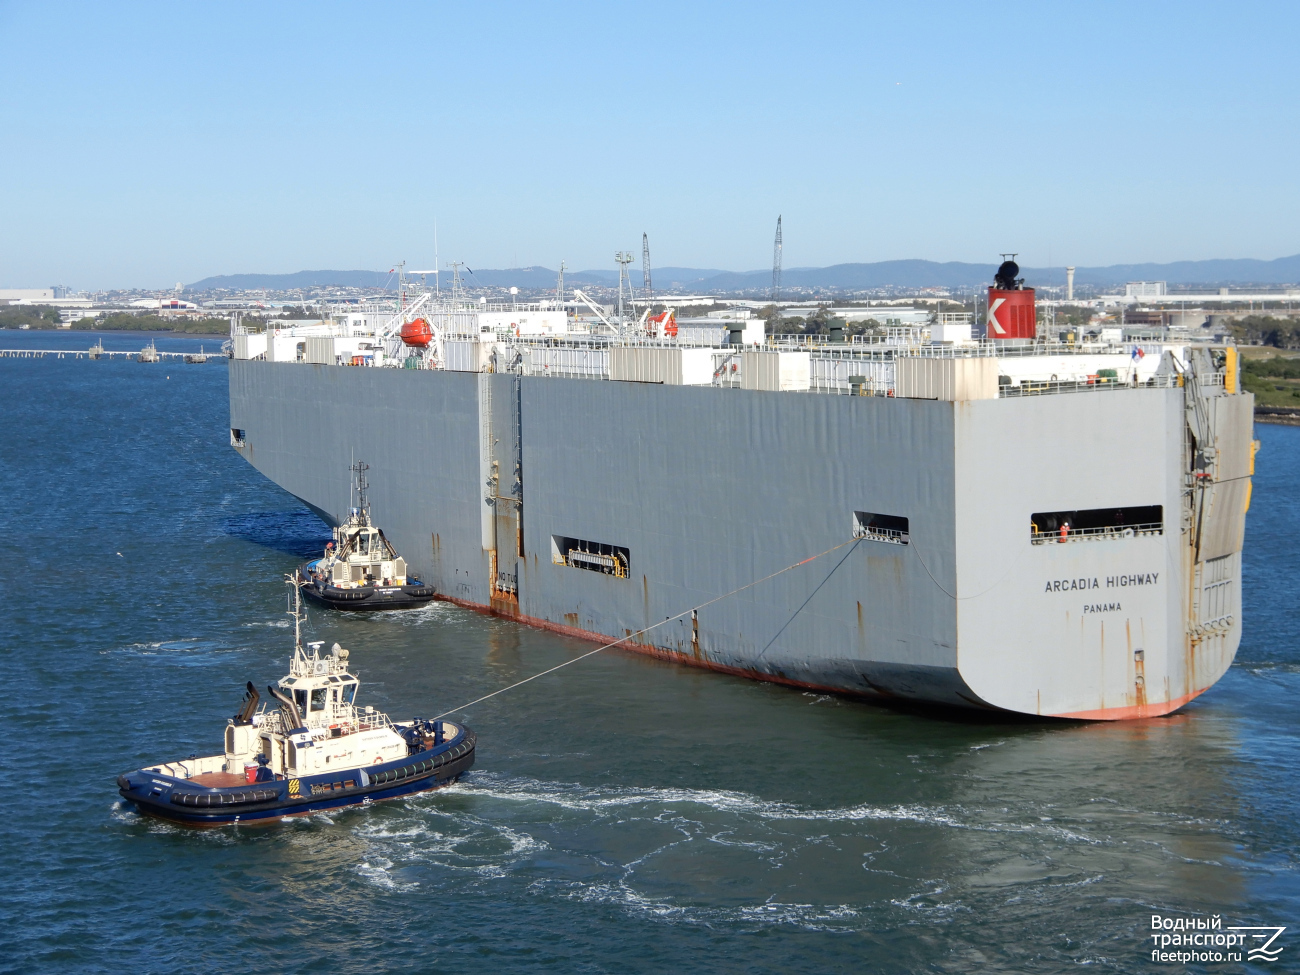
(1283, 270)
(299, 279)
(953, 274)
(845, 277)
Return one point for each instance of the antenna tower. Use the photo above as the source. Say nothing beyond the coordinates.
(559, 287)
(455, 281)
(776, 263)
(645, 268)
(624, 259)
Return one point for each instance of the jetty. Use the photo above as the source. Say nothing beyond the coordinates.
(97, 354)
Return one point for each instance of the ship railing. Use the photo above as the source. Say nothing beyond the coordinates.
(371, 720)
(1091, 384)
(274, 721)
(856, 370)
(974, 349)
(584, 340)
(986, 348)
(883, 535)
(821, 341)
(583, 361)
(1094, 534)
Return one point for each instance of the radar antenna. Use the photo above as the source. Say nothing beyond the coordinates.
(776, 263)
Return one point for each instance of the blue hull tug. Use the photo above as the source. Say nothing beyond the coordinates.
(315, 749)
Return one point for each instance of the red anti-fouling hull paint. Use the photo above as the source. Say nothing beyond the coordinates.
(1011, 314)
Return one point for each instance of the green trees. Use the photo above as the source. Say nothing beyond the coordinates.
(1281, 333)
(126, 322)
(1067, 316)
(1275, 381)
(33, 316)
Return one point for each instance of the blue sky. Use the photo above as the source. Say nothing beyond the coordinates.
(144, 144)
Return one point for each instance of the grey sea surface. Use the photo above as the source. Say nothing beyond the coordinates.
(625, 814)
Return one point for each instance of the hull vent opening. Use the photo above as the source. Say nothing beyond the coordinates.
(1091, 524)
(578, 553)
(237, 438)
(880, 528)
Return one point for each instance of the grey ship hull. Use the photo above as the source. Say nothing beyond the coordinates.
(482, 479)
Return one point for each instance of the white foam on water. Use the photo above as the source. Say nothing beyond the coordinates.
(925, 902)
(834, 918)
(822, 698)
(622, 800)
(605, 800)
(521, 843)
(125, 812)
(621, 895)
(468, 844)
(497, 843)
(183, 645)
(433, 612)
(810, 917)
(722, 839)
(378, 871)
(381, 832)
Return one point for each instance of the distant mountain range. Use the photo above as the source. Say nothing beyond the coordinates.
(838, 277)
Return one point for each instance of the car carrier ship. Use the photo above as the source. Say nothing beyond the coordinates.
(1035, 526)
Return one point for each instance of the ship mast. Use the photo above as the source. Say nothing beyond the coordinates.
(296, 612)
(360, 485)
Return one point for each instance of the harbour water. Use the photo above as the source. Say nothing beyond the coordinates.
(625, 814)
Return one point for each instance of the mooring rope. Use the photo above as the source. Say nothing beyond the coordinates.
(668, 619)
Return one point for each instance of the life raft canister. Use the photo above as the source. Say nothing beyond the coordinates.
(417, 333)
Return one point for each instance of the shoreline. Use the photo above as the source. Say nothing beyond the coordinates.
(1288, 416)
(117, 331)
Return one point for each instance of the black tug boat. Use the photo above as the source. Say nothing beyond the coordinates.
(360, 568)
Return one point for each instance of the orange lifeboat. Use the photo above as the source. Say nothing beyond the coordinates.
(417, 332)
(664, 325)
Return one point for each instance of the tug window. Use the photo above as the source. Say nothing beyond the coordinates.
(300, 699)
(318, 699)
(349, 692)
(363, 544)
